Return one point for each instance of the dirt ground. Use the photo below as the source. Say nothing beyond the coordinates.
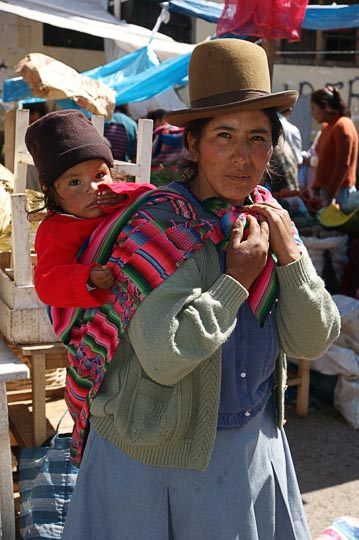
(325, 450)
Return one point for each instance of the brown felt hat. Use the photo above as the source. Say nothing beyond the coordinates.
(229, 75)
(62, 139)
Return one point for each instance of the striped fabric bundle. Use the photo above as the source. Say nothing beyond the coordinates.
(142, 252)
(343, 528)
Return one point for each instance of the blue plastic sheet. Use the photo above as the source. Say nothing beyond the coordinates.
(134, 77)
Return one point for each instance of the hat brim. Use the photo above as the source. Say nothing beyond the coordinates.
(279, 101)
(333, 218)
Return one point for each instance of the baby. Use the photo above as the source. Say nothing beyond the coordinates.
(80, 188)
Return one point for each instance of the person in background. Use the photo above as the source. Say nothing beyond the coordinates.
(36, 109)
(310, 162)
(287, 158)
(292, 135)
(80, 189)
(185, 432)
(283, 178)
(337, 147)
(167, 143)
(121, 132)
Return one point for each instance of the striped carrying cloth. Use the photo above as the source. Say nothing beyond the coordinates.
(142, 252)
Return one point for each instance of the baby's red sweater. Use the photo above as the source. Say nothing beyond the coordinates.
(60, 280)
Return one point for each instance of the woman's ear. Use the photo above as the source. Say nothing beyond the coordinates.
(192, 143)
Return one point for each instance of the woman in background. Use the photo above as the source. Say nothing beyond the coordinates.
(337, 147)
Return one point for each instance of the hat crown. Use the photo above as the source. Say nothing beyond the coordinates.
(228, 76)
(60, 140)
(220, 71)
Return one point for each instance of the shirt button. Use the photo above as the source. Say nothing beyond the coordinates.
(243, 375)
(247, 413)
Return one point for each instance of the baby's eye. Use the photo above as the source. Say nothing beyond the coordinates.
(74, 182)
(100, 175)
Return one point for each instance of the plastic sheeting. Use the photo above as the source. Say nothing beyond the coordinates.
(316, 17)
(342, 359)
(92, 18)
(134, 77)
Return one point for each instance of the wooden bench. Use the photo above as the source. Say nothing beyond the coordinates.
(11, 369)
(41, 357)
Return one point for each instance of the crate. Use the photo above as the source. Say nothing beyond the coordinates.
(23, 318)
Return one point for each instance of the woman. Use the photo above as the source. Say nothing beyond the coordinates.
(184, 440)
(337, 147)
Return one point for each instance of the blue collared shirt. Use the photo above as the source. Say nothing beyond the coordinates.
(248, 357)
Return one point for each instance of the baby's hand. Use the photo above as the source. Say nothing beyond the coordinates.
(109, 198)
(101, 277)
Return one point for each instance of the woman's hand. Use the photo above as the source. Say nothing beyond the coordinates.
(281, 236)
(245, 259)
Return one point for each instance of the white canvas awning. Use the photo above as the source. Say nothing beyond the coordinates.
(90, 18)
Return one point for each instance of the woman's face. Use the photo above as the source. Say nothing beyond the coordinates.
(232, 155)
(320, 115)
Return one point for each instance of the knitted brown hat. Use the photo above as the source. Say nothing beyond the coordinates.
(62, 139)
(229, 75)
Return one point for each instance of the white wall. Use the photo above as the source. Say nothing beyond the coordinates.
(306, 79)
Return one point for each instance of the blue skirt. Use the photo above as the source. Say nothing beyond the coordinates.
(248, 492)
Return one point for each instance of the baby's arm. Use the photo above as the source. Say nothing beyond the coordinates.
(59, 278)
(120, 194)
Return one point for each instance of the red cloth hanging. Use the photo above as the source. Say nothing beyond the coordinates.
(270, 19)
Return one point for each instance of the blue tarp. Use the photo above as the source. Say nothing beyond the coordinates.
(134, 77)
(316, 17)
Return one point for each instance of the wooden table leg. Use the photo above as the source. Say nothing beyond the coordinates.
(7, 525)
(303, 387)
(38, 364)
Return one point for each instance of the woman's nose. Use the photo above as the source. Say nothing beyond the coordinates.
(241, 154)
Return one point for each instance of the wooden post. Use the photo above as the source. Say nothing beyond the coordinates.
(11, 369)
(270, 47)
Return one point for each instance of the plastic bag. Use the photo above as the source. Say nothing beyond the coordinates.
(273, 19)
(46, 482)
(336, 243)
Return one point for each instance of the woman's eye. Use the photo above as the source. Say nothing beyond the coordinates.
(224, 135)
(257, 138)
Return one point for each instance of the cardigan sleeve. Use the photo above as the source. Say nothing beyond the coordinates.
(308, 319)
(186, 319)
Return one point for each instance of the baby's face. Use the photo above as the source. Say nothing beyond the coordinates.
(76, 188)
